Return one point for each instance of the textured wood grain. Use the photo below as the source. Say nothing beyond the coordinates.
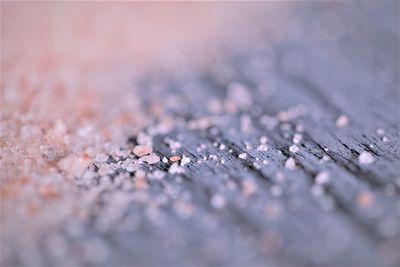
(340, 58)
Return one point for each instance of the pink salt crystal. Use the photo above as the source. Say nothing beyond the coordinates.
(142, 150)
(74, 165)
(104, 169)
(150, 159)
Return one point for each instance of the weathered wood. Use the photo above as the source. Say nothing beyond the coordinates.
(341, 59)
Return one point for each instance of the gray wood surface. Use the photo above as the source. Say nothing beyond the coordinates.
(338, 59)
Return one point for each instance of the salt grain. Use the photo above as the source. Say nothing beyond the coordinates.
(142, 150)
(342, 121)
(242, 156)
(322, 178)
(293, 148)
(151, 159)
(185, 160)
(366, 158)
(175, 168)
(290, 164)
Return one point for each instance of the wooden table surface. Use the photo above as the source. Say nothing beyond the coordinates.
(228, 208)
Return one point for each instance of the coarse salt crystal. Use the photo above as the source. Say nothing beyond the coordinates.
(142, 150)
(242, 156)
(366, 158)
(151, 159)
(290, 164)
(185, 160)
(293, 148)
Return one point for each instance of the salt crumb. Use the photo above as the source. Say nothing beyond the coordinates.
(221, 146)
(385, 139)
(322, 178)
(366, 158)
(290, 164)
(342, 121)
(165, 160)
(218, 201)
(142, 150)
(242, 156)
(293, 148)
(185, 160)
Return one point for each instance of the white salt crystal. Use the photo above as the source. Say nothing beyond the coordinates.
(366, 158)
(290, 163)
(293, 148)
(342, 121)
(322, 178)
(150, 159)
(243, 156)
(185, 160)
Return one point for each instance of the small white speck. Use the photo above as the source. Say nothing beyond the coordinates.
(265, 162)
(222, 146)
(242, 156)
(366, 158)
(342, 121)
(293, 148)
(385, 139)
(290, 163)
(165, 160)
